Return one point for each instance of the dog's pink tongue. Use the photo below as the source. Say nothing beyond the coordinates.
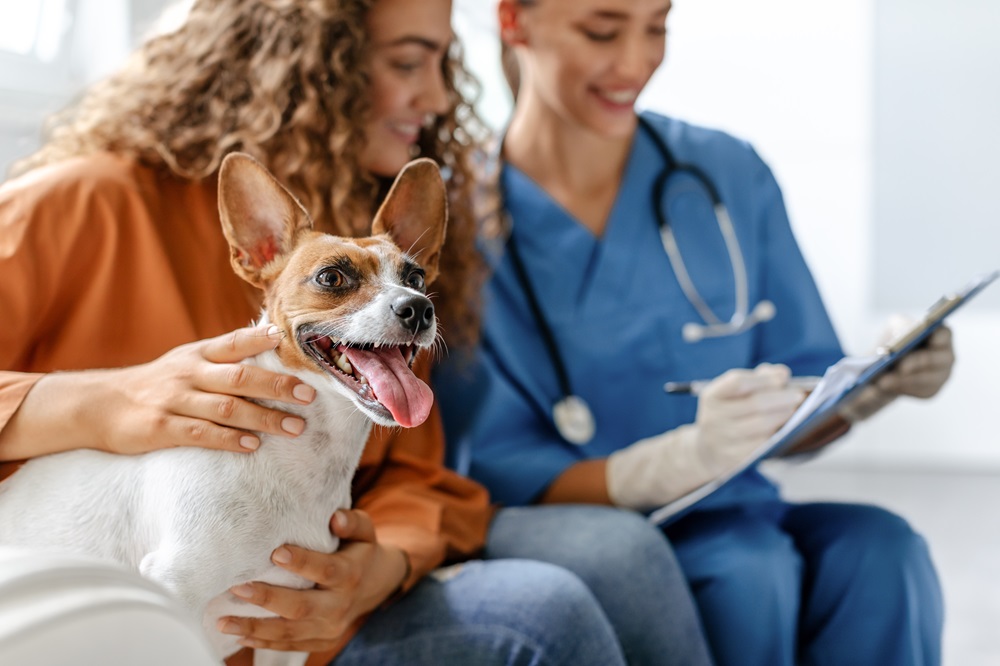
(396, 387)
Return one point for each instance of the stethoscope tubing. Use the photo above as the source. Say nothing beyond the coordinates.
(740, 321)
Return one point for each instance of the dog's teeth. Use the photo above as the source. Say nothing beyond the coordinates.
(344, 364)
(363, 380)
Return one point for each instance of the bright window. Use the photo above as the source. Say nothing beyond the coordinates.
(33, 28)
(35, 46)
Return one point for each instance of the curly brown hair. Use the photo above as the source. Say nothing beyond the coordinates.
(287, 82)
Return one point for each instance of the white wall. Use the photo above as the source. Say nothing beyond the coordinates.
(809, 84)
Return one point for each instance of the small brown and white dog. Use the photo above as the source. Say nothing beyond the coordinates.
(354, 314)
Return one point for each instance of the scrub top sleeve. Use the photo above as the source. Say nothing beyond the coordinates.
(801, 335)
(497, 435)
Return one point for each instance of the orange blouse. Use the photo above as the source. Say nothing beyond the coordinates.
(107, 263)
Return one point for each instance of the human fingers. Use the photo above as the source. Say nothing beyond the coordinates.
(235, 412)
(240, 344)
(923, 361)
(352, 525)
(780, 402)
(325, 569)
(940, 338)
(924, 384)
(318, 645)
(301, 614)
(249, 381)
(361, 574)
(921, 374)
(741, 381)
(174, 431)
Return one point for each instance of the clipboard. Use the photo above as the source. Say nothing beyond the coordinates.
(841, 382)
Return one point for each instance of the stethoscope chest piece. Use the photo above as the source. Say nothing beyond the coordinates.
(574, 420)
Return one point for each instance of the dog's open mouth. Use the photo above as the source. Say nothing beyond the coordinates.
(380, 375)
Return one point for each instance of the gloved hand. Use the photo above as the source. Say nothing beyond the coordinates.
(920, 374)
(737, 412)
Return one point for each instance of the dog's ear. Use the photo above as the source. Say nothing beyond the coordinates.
(415, 214)
(260, 218)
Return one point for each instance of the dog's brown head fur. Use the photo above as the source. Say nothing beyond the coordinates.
(342, 298)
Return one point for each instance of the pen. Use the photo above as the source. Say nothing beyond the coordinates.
(695, 387)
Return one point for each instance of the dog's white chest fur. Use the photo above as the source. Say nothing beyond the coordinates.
(197, 521)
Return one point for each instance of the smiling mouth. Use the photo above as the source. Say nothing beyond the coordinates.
(379, 374)
(333, 357)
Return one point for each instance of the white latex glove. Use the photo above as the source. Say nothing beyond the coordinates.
(920, 374)
(737, 412)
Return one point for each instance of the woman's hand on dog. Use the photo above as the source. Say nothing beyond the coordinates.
(350, 583)
(197, 395)
(194, 395)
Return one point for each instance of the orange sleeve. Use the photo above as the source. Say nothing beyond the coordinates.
(32, 243)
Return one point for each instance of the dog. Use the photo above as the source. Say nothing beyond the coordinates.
(354, 314)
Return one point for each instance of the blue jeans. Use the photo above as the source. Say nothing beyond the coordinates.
(500, 613)
(627, 564)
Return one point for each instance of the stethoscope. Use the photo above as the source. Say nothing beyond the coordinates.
(571, 415)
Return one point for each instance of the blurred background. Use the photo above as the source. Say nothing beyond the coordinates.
(879, 119)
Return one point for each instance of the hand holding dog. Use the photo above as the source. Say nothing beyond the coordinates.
(194, 395)
(736, 414)
(350, 583)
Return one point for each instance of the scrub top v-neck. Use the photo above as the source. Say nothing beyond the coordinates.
(616, 311)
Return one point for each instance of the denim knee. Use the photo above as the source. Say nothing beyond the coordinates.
(626, 562)
(591, 537)
(498, 613)
(547, 612)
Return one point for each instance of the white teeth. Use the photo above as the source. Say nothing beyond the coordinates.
(620, 97)
(405, 128)
(364, 380)
(344, 364)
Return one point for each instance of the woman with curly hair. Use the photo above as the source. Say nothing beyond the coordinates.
(111, 256)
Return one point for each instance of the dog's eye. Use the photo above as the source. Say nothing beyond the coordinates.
(330, 278)
(415, 280)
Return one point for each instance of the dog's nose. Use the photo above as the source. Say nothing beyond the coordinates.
(416, 313)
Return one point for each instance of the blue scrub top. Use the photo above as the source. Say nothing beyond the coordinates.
(616, 310)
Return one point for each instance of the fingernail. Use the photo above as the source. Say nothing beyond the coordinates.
(340, 519)
(304, 393)
(249, 442)
(243, 591)
(293, 425)
(272, 331)
(282, 556)
(229, 627)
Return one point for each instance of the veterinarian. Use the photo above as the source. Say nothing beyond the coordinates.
(122, 320)
(634, 249)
